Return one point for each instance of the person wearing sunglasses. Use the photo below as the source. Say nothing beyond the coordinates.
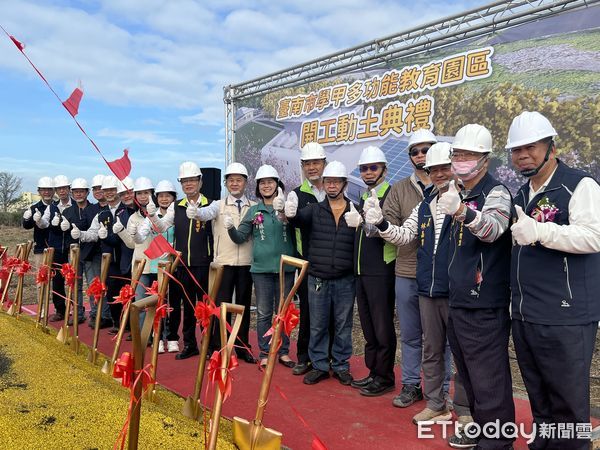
(402, 198)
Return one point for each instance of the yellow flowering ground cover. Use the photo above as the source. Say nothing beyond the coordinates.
(51, 398)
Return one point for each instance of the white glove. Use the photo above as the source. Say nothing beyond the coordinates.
(55, 220)
(353, 217)
(151, 208)
(449, 202)
(192, 210)
(132, 228)
(64, 224)
(227, 221)
(291, 205)
(279, 201)
(75, 232)
(372, 201)
(37, 216)
(117, 227)
(525, 230)
(102, 232)
(374, 216)
(27, 214)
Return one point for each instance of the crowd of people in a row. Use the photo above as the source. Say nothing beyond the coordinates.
(460, 260)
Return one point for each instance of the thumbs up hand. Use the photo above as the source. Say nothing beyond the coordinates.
(279, 201)
(525, 229)
(151, 208)
(291, 205)
(102, 232)
(372, 201)
(64, 224)
(374, 216)
(55, 220)
(27, 214)
(75, 232)
(192, 210)
(227, 221)
(353, 217)
(117, 226)
(37, 216)
(449, 202)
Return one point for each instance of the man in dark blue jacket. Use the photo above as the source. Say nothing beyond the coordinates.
(555, 280)
(32, 218)
(331, 286)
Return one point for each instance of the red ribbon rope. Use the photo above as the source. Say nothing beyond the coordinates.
(68, 274)
(96, 289)
(43, 275)
(23, 268)
(216, 374)
(153, 289)
(4, 271)
(125, 295)
(12, 262)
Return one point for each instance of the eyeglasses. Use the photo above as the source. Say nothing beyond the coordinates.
(416, 151)
(372, 168)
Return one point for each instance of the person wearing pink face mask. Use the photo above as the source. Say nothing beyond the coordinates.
(479, 285)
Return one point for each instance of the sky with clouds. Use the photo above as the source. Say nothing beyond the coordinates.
(153, 72)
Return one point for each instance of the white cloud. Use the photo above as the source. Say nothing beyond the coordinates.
(144, 136)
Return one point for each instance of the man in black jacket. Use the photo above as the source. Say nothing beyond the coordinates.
(32, 218)
(331, 286)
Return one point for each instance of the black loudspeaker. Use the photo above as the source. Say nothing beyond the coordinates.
(211, 183)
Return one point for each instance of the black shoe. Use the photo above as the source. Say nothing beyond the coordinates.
(187, 352)
(129, 337)
(287, 363)
(301, 368)
(375, 389)
(462, 441)
(314, 376)
(105, 323)
(410, 394)
(362, 382)
(343, 377)
(92, 322)
(80, 321)
(247, 357)
(113, 331)
(56, 317)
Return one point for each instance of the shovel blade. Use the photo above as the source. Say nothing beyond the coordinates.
(11, 310)
(106, 368)
(92, 356)
(62, 335)
(190, 408)
(254, 436)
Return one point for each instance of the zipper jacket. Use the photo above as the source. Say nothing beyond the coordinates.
(193, 238)
(40, 235)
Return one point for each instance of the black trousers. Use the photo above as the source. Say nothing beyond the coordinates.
(479, 342)
(178, 298)
(375, 298)
(555, 363)
(236, 280)
(58, 283)
(114, 283)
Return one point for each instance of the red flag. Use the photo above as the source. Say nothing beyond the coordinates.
(19, 45)
(72, 103)
(158, 247)
(122, 166)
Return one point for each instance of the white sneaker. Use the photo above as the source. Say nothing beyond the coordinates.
(173, 346)
(161, 347)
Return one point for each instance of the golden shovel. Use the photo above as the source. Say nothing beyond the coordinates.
(191, 407)
(104, 266)
(138, 269)
(15, 309)
(42, 289)
(46, 291)
(18, 252)
(63, 333)
(254, 435)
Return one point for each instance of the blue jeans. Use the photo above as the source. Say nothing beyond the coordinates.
(326, 297)
(91, 270)
(266, 287)
(411, 332)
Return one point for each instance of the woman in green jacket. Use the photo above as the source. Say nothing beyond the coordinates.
(272, 238)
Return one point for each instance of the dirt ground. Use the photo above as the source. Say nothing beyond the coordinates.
(11, 236)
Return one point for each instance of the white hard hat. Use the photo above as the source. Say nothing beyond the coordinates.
(110, 182)
(45, 182)
(236, 169)
(335, 169)
(142, 184)
(438, 155)
(97, 180)
(79, 183)
(166, 186)
(189, 169)
(61, 180)
(266, 171)
(312, 150)
(372, 154)
(125, 185)
(421, 136)
(474, 138)
(527, 128)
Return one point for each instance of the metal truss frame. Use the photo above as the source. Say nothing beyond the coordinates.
(469, 24)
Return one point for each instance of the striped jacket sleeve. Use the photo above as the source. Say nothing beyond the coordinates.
(493, 220)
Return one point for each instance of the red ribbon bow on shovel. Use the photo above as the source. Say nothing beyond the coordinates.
(68, 274)
(216, 374)
(43, 275)
(125, 295)
(96, 289)
(204, 310)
